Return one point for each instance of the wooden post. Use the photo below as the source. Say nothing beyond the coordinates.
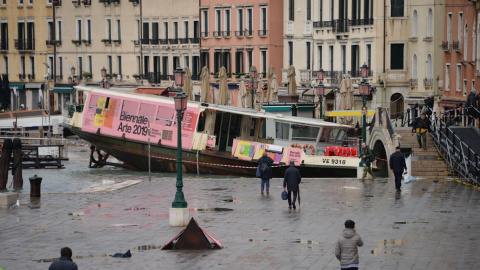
(5, 162)
(17, 164)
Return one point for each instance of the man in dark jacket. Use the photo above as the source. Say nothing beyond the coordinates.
(398, 165)
(366, 159)
(470, 105)
(346, 249)
(265, 163)
(65, 262)
(291, 182)
(428, 107)
(421, 126)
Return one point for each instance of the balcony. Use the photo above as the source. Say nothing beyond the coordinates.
(195, 40)
(340, 26)
(321, 24)
(217, 34)
(239, 33)
(145, 41)
(413, 82)
(249, 33)
(57, 3)
(356, 73)
(153, 77)
(204, 34)
(173, 41)
(31, 76)
(135, 2)
(117, 41)
(136, 42)
(457, 46)
(87, 2)
(4, 44)
(428, 82)
(428, 39)
(87, 41)
(446, 46)
(183, 40)
(359, 22)
(163, 41)
(25, 44)
(262, 33)
(106, 41)
(227, 34)
(154, 41)
(22, 76)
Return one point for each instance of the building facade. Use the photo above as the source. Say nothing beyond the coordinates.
(460, 46)
(24, 32)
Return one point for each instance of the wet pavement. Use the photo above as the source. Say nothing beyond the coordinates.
(427, 226)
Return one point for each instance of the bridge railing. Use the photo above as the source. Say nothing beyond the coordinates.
(459, 156)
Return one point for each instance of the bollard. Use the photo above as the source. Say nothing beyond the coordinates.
(35, 183)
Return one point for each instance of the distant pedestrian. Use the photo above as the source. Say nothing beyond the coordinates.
(291, 182)
(265, 163)
(65, 262)
(471, 105)
(428, 107)
(421, 126)
(346, 249)
(367, 157)
(398, 165)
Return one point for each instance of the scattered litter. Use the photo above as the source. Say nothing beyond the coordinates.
(122, 255)
(407, 178)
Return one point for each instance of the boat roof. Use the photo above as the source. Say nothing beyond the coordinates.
(208, 106)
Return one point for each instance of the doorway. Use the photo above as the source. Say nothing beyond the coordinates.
(396, 106)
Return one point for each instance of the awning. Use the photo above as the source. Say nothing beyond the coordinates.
(33, 85)
(18, 85)
(63, 90)
(277, 108)
(348, 113)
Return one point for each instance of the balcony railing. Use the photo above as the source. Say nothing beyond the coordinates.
(154, 41)
(446, 46)
(135, 2)
(195, 40)
(183, 40)
(227, 33)
(25, 44)
(4, 44)
(322, 24)
(262, 33)
(356, 73)
(31, 76)
(136, 42)
(173, 40)
(145, 41)
(217, 33)
(428, 82)
(413, 82)
(153, 77)
(457, 46)
(195, 77)
(163, 41)
(358, 22)
(239, 33)
(340, 26)
(22, 76)
(248, 33)
(204, 34)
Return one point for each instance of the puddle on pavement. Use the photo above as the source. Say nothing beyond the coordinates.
(256, 240)
(214, 189)
(308, 242)
(410, 222)
(387, 246)
(214, 209)
(73, 258)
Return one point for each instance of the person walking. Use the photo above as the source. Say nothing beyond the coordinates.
(265, 163)
(346, 249)
(421, 126)
(428, 107)
(65, 262)
(470, 105)
(367, 159)
(291, 182)
(398, 165)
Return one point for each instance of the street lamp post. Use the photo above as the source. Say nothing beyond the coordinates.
(320, 90)
(364, 88)
(253, 84)
(180, 106)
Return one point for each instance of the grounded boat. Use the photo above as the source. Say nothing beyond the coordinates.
(221, 140)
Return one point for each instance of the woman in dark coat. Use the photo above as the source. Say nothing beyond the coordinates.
(265, 163)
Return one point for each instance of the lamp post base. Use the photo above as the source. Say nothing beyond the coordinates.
(179, 217)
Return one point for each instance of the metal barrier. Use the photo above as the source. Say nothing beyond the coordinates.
(458, 155)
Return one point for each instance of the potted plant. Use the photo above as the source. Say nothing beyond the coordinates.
(106, 41)
(136, 76)
(87, 75)
(76, 41)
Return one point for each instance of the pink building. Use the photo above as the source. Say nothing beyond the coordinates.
(237, 35)
(459, 48)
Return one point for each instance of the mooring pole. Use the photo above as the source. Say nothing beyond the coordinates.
(5, 162)
(17, 164)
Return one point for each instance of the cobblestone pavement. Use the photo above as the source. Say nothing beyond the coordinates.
(427, 226)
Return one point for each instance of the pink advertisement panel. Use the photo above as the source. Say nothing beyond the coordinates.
(130, 117)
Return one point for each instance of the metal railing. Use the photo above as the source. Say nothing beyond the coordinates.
(25, 44)
(461, 158)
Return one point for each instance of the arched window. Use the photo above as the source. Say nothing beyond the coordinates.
(414, 23)
(430, 23)
(429, 70)
(465, 43)
(414, 68)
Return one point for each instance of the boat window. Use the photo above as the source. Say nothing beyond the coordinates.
(325, 134)
(165, 116)
(201, 122)
(147, 110)
(282, 130)
(305, 133)
(252, 128)
(130, 107)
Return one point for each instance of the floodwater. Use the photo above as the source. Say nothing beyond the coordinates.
(76, 176)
